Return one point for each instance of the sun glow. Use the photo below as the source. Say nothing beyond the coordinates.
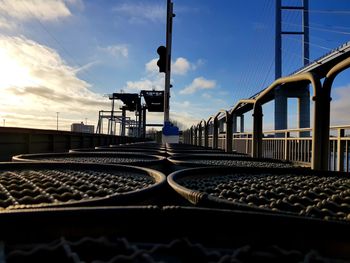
(13, 72)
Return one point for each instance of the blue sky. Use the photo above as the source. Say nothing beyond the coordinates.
(64, 55)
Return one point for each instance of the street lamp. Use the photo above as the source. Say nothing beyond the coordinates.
(57, 118)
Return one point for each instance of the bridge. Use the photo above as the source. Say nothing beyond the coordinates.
(320, 74)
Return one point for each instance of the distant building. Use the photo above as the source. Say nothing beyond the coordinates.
(81, 127)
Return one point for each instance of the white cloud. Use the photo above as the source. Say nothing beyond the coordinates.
(7, 24)
(199, 83)
(138, 12)
(151, 66)
(185, 119)
(76, 3)
(28, 9)
(340, 106)
(207, 95)
(36, 81)
(116, 50)
(181, 66)
(156, 83)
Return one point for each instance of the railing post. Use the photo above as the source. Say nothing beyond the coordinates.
(206, 135)
(215, 134)
(286, 145)
(340, 150)
(228, 141)
(200, 135)
(247, 141)
(257, 131)
(195, 137)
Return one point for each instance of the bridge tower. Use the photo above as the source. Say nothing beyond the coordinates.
(303, 92)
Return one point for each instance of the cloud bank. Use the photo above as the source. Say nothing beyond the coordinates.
(38, 82)
(197, 84)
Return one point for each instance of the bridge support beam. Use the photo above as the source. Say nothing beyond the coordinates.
(281, 107)
(206, 135)
(195, 137)
(191, 136)
(281, 110)
(228, 141)
(234, 123)
(320, 132)
(242, 123)
(200, 133)
(304, 110)
(215, 133)
(324, 114)
(257, 131)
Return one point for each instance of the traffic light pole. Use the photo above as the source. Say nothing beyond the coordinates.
(169, 29)
(170, 133)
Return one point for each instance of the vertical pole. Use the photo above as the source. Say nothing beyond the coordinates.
(57, 119)
(234, 123)
(206, 135)
(242, 123)
(257, 131)
(191, 136)
(304, 111)
(278, 40)
(306, 46)
(215, 133)
(139, 112)
(304, 100)
(200, 133)
(286, 145)
(340, 150)
(280, 99)
(144, 122)
(195, 137)
(228, 146)
(123, 121)
(169, 27)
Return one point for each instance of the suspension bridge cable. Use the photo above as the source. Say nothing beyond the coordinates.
(311, 44)
(268, 73)
(251, 83)
(329, 11)
(323, 29)
(247, 76)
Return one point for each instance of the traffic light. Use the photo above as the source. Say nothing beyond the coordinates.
(162, 58)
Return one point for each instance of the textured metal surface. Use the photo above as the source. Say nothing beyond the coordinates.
(98, 157)
(240, 163)
(117, 249)
(119, 150)
(40, 185)
(232, 160)
(324, 197)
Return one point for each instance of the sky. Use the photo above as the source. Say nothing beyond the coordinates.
(60, 59)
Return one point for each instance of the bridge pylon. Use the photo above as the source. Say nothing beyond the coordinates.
(301, 92)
